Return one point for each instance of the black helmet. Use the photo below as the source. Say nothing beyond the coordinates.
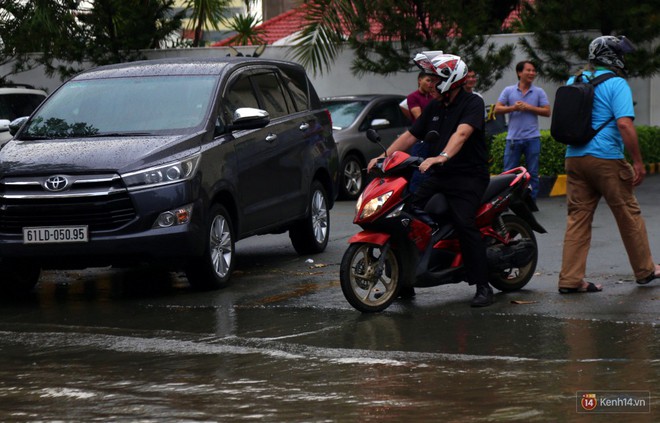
(609, 50)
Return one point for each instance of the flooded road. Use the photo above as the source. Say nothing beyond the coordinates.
(231, 357)
(281, 344)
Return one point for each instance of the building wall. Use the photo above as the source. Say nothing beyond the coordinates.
(211, 34)
(339, 80)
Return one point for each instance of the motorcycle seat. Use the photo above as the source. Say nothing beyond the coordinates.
(497, 184)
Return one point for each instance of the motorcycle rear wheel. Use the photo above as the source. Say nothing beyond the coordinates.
(514, 279)
(362, 287)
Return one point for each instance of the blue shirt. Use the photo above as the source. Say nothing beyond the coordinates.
(523, 125)
(611, 98)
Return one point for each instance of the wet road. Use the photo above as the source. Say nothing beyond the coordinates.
(282, 345)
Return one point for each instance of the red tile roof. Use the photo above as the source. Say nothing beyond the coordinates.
(514, 16)
(281, 26)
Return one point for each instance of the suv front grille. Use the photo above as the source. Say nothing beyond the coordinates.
(101, 202)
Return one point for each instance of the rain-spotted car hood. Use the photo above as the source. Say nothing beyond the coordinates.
(120, 154)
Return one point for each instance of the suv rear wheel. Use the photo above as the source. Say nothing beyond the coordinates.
(310, 234)
(213, 269)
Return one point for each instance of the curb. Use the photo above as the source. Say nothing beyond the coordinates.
(554, 186)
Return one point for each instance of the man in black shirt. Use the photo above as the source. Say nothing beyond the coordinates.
(458, 163)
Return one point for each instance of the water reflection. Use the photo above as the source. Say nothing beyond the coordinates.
(223, 357)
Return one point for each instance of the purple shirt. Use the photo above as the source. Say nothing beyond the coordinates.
(523, 125)
(417, 99)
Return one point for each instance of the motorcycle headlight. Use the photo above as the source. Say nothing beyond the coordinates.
(375, 204)
(162, 175)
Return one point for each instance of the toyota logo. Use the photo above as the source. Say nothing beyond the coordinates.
(56, 183)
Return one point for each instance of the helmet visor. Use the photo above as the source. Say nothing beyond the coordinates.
(626, 45)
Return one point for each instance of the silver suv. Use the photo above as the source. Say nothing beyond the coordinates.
(17, 101)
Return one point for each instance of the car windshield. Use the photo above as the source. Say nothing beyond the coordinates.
(344, 113)
(124, 106)
(13, 106)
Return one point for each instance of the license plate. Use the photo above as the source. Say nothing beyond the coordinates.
(54, 234)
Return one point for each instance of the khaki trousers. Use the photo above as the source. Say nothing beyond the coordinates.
(589, 179)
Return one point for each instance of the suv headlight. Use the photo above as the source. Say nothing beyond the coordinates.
(162, 175)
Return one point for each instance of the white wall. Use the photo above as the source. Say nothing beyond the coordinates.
(339, 79)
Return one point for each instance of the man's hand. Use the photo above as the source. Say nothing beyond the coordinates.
(640, 173)
(431, 161)
(372, 163)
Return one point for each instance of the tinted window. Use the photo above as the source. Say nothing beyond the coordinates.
(272, 94)
(240, 94)
(389, 110)
(297, 85)
(13, 106)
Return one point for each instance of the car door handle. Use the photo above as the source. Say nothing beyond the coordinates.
(304, 126)
(271, 137)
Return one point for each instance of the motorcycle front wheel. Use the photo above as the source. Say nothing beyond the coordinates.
(365, 288)
(513, 279)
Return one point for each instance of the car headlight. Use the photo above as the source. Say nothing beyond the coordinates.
(374, 205)
(162, 175)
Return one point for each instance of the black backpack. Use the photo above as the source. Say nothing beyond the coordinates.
(571, 113)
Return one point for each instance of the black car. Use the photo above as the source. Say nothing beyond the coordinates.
(170, 161)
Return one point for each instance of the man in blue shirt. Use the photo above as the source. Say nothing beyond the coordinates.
(599, 169)
(524, 102)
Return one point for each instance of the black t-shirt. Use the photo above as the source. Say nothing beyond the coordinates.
(466, 108)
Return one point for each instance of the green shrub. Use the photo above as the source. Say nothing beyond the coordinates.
(551, 161)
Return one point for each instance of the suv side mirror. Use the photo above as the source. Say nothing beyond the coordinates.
(249, 118)
(16, 124)
(4, 125)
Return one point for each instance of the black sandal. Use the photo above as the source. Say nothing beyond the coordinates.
(647, 279)
(590, 288)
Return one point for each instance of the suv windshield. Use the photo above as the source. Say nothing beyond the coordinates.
(144, 105)
(344, 113)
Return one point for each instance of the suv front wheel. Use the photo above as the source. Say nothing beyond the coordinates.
(19, 276)
(310, 234)
(213, 269)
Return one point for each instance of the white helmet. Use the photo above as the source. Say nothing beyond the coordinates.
(452, 71)
(423, 61)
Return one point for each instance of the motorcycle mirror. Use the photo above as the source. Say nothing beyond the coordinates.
(373, 136)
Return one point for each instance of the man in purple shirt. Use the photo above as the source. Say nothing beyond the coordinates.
(524, 102)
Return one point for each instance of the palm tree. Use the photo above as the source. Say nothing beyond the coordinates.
(246, 29)
(204, 11)
(385, 34)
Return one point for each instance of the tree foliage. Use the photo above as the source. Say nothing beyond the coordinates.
(203, 12)
(68, 33)
(385, 34)
(562, 31)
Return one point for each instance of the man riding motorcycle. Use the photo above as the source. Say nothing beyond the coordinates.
(457, 164)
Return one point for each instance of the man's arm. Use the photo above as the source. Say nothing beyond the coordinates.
(416, 112)
(452, 148)
(631, 143)
(501, 108)
(402, 143)
(537, 110)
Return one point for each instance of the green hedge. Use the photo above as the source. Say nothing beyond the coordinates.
(551, 161)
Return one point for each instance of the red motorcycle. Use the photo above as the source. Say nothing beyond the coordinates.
(403, 247)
